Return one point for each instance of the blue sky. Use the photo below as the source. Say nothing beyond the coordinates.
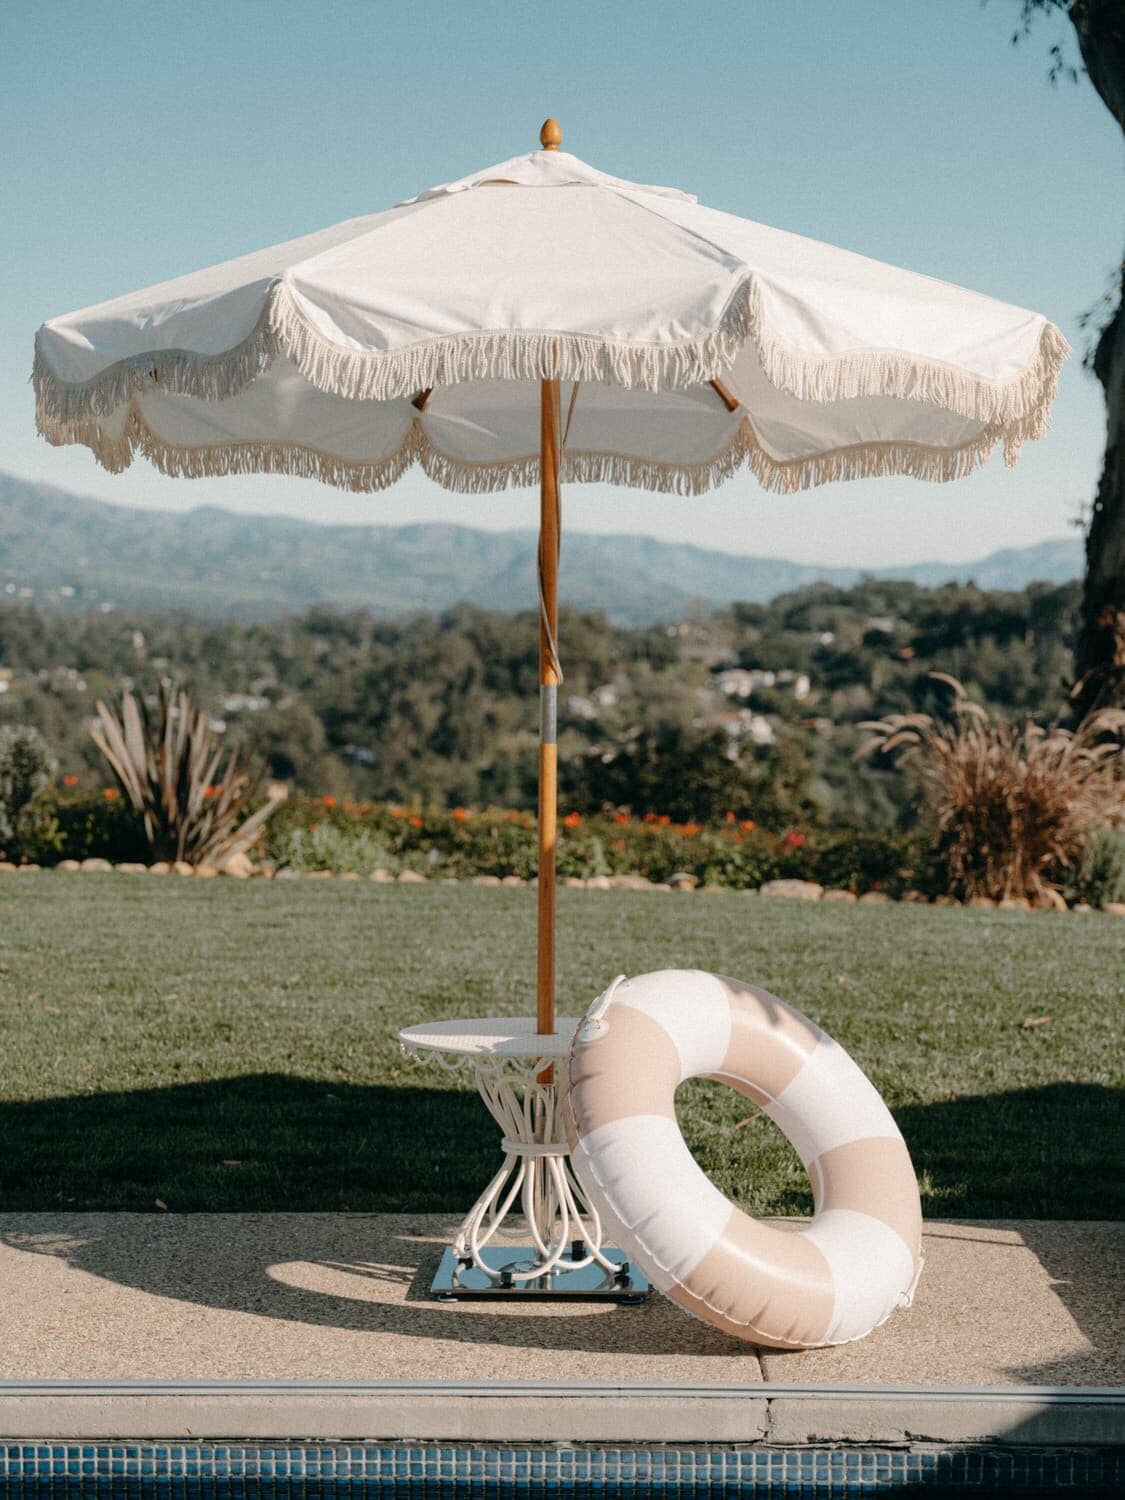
(144, 140)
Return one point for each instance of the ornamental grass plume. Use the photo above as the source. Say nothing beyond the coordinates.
(1013, 807)
(169, 771)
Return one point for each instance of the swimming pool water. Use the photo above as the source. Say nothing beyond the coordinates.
(190, 1471)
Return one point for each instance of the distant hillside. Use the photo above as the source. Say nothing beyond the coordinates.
(70, 551)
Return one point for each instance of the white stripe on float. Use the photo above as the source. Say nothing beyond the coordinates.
(651, 1181)
(830, 1103)
(692, 1007)
(871, 1268)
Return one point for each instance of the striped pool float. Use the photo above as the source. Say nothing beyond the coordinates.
(803, 1286)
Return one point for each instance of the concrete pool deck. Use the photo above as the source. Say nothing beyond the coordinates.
(287, 1325)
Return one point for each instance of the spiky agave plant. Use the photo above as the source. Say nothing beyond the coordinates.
(191, 792)
(1012, 805)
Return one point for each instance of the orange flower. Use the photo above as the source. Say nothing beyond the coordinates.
(650, 817)
(329, 801)
(572, 820)
(730, 817)
(621, 817)
(793, 839)
(748, 825)
(663, 820)
(110, 793)
(416, 822)
(364, 809)
(398, 812)
(512, 817)
(689, 830)
(70, 781)
(460, 814)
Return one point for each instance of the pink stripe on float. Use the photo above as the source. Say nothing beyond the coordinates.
(873, 1177)
(632, 1069)
(761, 1283)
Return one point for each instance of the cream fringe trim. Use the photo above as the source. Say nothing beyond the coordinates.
(1020, 405)
(784, 477)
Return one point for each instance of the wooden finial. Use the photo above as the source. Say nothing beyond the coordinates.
(550, 137)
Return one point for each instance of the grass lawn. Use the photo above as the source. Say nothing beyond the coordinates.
(222, 1045)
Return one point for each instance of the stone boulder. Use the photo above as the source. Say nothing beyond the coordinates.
(874, 898)
(793, 890)
(411, 877)
(239, 865)
(683, 880)
(845, 897)
(98, 866)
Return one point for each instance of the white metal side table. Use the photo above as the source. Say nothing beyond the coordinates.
(516, 1071)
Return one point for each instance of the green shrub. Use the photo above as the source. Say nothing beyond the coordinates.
(60, 825)
(328, 847)
(875, 862)
(26, 767)
(1101, 873)
(321, 833)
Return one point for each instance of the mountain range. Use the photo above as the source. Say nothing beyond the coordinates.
(64, 550)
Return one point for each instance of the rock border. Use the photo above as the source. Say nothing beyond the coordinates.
(239, 867)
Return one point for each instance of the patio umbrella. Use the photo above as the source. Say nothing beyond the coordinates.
(540, 321)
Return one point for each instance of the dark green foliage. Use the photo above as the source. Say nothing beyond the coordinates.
(1101, 876)
(442, 710)
(26, 766)
(84, 825)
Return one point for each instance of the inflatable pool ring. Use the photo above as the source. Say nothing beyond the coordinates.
(828, 1281)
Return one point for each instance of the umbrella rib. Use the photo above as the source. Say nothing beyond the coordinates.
(729, 401)
(421, 400)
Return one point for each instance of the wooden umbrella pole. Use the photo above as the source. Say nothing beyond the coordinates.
(548, 697)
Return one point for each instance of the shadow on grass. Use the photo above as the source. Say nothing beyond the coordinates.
(260, 1142)
(267, 1144)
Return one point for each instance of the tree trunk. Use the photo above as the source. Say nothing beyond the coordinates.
(1100, 656)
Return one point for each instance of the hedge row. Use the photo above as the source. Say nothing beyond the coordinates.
(322, 834)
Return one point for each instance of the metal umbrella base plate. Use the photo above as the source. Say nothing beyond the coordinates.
(459, 1279)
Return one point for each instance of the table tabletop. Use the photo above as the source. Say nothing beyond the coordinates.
(493, 1036)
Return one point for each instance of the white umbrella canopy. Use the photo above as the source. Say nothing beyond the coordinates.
(312, 357)
(540, 320)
